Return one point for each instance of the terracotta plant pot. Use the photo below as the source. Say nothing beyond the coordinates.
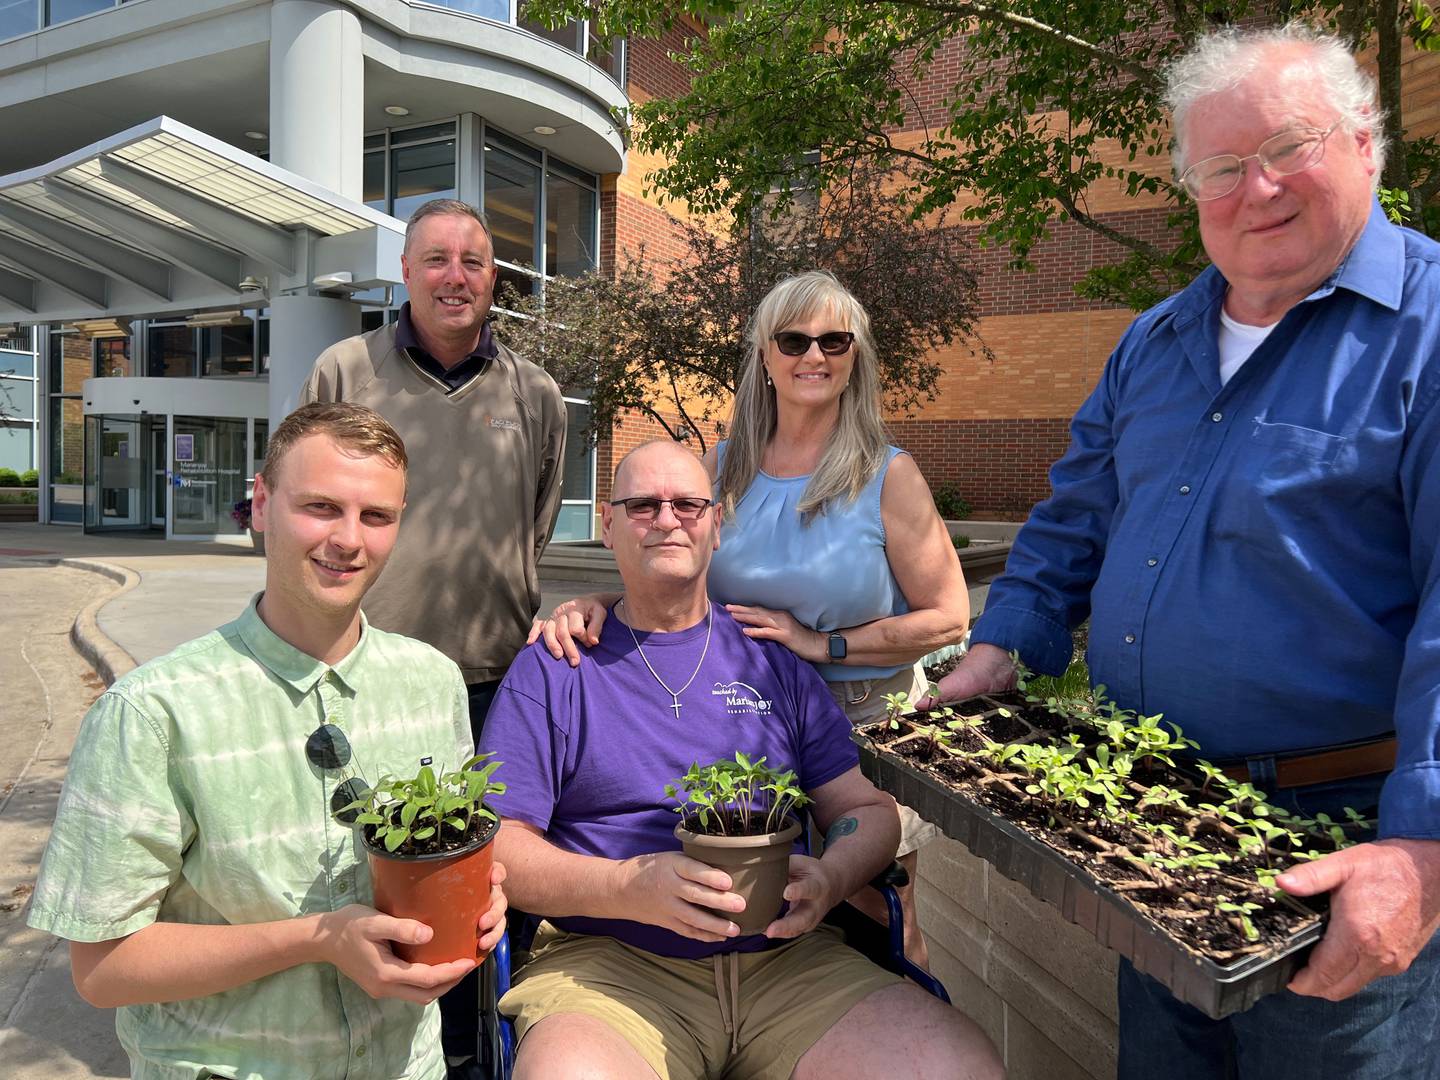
(447, 892)
(759, 869)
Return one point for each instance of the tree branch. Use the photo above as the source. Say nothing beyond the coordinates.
(987, 13)
(1135, 244)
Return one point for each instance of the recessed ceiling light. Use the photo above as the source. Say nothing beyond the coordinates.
(397, 110)
(543, 129)
(260, 135)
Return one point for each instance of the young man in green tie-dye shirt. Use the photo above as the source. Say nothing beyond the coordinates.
(196, 865)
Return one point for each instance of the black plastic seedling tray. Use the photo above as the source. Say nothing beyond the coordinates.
(1215, 990)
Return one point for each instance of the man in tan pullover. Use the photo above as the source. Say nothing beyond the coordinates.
(485, 431)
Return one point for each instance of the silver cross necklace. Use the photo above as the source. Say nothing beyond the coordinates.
(675, 694)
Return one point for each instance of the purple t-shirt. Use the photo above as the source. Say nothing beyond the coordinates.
(588, 750)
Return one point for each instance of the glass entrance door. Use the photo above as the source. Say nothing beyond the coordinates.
(210, 468)
(118, 464)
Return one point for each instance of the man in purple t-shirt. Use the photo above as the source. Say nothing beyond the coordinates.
(631, 974)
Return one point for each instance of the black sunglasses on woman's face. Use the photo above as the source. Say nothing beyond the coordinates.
(794, 343)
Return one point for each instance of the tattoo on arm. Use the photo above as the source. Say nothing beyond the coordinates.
(843, 827)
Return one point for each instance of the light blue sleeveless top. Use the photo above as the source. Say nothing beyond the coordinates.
(829, 574)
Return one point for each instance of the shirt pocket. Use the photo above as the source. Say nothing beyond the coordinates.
(1287, 475)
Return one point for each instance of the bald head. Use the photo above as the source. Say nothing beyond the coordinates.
(669, 456)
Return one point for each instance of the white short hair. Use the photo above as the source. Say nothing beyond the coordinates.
(1223, 59)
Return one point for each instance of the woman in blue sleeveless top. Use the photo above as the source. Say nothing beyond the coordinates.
(831, 543)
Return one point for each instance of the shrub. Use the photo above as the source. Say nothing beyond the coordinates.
(9, 478)
(950, 503)
(30, 478)
(960, 540)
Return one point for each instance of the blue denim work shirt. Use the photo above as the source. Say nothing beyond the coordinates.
(1259, 560)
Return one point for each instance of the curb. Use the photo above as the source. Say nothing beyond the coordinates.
(109, 660)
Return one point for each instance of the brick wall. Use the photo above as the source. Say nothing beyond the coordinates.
(995, 464)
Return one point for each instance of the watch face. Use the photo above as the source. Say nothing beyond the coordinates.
(837, 647)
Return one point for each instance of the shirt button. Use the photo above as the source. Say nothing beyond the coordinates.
(1217, 417)
(360, 1051)
(1151, 562)
(1184, 489)
(1129, 639)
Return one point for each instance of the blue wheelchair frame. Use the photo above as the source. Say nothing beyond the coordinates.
(882, 945)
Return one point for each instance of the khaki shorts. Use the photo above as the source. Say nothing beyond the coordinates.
(864, 702)
(675, 1012)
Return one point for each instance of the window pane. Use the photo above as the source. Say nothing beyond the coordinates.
(375, 180)
(17, 446)
(18, 17)
(579, 454)
(72, 361)
(520, 281)
(170, 352)
(17, 399)
(568, 36)
(112, 358)
(228, 350)
(22, 340)
(499, 10)
(17, 363)
(512, 193)
(67, 440)
(420, 134)
(569, 227)
(63, 10)
(422, 173)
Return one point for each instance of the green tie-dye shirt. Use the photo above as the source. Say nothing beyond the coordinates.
(190, 799)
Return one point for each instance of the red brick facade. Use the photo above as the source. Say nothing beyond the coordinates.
(997, 465)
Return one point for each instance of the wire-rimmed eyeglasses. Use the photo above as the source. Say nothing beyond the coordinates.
(1284, 154)
(646, 508)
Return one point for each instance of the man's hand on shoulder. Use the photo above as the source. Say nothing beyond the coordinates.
(356, 939)
(1384, 908)
(672, 890)
(812, 892)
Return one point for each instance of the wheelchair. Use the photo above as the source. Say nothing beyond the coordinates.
(883, 945)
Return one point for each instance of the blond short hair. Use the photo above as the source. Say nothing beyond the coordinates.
(357, 428)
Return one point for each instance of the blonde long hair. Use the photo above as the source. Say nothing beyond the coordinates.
(855, 451)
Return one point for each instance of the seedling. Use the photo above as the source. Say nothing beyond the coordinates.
(427, 813)
(737, 797)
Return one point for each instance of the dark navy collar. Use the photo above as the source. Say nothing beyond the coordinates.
(455, 377)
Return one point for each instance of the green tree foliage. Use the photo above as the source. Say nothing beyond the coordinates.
(1042, 87)
(665, 338)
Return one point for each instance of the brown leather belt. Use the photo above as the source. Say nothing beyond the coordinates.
(1326, 766)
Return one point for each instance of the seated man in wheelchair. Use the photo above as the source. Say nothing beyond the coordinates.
(633, 974)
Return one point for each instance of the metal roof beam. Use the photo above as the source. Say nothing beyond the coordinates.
(117, 260)
(17, 289)
(89, 285)
(204, 258)
(265, 242)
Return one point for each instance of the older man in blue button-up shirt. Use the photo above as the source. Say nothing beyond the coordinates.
(1249, 512)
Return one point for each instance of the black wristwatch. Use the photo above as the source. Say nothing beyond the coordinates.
(837, 648)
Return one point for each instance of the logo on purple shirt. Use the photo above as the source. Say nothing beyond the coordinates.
(741, 698)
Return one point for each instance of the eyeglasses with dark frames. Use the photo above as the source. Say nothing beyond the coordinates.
(327, 748)
(646, 508)
(1285, 154)
(794, 343)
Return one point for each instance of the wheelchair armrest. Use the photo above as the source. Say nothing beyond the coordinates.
(893, 876)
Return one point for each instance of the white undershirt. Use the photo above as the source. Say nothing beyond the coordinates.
(1237, 341)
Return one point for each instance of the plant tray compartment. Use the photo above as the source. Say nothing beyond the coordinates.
(1047, 874)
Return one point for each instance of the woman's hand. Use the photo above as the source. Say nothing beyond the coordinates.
(572, 624)
(772, 625)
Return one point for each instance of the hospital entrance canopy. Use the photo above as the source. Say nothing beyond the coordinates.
(163, 220)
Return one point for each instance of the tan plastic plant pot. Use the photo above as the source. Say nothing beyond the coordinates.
(759, 869)
(447, 892)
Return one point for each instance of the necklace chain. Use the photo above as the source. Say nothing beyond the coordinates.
(675, 694)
